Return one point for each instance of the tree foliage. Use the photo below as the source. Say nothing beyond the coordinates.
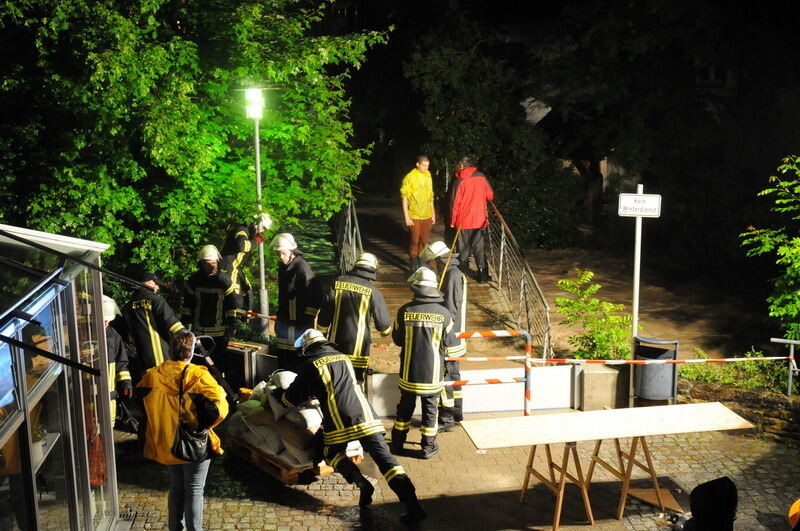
(782, 242)
(473, 105)
(128, 121)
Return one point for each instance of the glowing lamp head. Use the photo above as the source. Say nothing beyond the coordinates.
(254, 98)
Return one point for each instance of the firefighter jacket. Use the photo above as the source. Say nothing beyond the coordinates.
(210, 303)
(298, 300)
(424, 329)
(204, 406)
(118, 374)
(328, 375)
(347, 313)
(151, 322)
(238, 242)
(454, 289)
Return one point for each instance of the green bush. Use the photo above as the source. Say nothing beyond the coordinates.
(754, 375)
(606, 334)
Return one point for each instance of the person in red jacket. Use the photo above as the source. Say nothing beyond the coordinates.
(468, 212)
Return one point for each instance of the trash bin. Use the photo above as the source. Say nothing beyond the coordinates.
(658, 381)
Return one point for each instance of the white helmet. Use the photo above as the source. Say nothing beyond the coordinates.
(423, 277)
(308, 338)
(367, 260)
(434, 250)
(110, 308)
(284, 242)
(209, 252)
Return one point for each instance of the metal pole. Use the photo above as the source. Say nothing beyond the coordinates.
(791, 369)
(502, 252)
(637, 261)
(263, 296)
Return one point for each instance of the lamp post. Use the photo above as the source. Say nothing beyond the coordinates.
(254, 98)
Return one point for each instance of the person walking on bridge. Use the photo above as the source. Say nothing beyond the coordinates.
(468, 212)
(416, 193)
(454, 290)
(352, 304)
(423, 329)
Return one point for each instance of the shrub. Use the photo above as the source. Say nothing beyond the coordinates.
(754, 375)
(606, 334)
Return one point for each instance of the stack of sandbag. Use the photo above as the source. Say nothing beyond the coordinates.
(283, 433)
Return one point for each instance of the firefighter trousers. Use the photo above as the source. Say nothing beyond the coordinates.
(375, 445)
(405, 409)
(451, 401)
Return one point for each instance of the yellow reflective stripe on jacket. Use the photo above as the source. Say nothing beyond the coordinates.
(353, 432)
(409, 348)
(177, 327)
(363, 311)
(361, 362)
(420, 388)
(155, 339)
(333, 409)
(123, 375)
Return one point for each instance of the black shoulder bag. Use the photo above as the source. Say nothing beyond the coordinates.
(189, 445)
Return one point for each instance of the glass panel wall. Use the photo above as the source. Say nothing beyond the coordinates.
(9, 404)
(13, 502)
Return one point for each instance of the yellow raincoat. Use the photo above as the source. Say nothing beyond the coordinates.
(159, 387)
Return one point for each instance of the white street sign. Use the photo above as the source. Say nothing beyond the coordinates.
(639, 205)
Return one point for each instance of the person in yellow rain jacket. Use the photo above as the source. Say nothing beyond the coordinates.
(204, 406)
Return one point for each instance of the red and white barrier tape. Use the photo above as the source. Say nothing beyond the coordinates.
(487, 381)
(654, 362)
(487, 358)
(488, 333)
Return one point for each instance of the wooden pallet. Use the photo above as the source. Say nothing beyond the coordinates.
(268, 463)
(274, 467)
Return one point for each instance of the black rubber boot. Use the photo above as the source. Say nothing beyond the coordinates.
(446, 419)
(413, 265)
(404, 488)
(398, 440)
(429, 446)
(353, 475)
(483, 275)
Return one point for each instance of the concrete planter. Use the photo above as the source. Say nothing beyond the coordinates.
(601, 386)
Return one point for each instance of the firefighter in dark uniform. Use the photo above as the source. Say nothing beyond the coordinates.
(298, 299)
(423, 328)
(454, 290)
(328, 375)
(351, 305)
(238, 243)
(150, 322)
(210, 304)
(119, 378)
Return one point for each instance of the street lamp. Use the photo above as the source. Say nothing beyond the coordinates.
(254, 97)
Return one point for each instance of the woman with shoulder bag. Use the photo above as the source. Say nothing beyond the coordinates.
(183, 402)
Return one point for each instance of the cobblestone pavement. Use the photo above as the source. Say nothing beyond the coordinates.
(463, 488)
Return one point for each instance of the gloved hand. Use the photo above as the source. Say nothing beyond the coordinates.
(125, 389)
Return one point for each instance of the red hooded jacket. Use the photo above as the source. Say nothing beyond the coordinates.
(470, 192)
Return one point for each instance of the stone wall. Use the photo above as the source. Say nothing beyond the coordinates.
(775, 415)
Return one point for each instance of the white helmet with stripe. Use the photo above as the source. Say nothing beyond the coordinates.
(284, 242)
(434, 250)
(367, 260)
(423, 277)
(110, 309)
(308, 338)
(209, 252)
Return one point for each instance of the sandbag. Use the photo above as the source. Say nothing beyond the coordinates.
(266, 439)
(283, 379)
(265, 417)
(294, 434)
(260, 391)
(277, 408)
(306, 417)
(290, 461)
(249, 407)
(354, 449)
(236, 426)
(301, 455)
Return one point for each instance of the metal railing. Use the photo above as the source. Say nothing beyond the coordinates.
(792, 362)
(516, 282)
(348, 237)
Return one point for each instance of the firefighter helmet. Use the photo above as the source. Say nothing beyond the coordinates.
(209, 252)
(110, 308)
(367, 260)
(434, 250)
(423, 277)
(284, 242)
(308, 338)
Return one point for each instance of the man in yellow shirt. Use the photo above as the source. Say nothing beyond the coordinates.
(416, 192)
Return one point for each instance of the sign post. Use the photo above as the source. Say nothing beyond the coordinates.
(638, 205)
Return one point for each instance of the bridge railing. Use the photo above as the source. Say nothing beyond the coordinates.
(517, 283)
(348, 237)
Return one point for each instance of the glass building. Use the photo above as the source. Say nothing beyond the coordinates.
(56, 441)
